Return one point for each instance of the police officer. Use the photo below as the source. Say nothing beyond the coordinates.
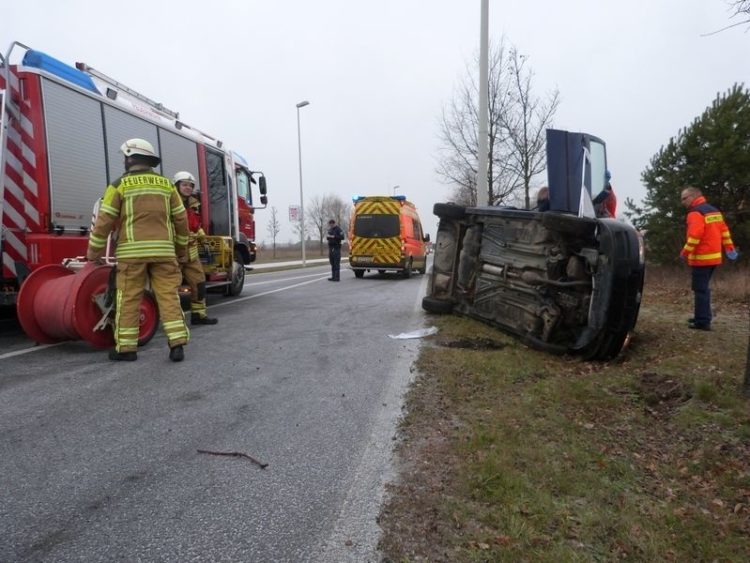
(153, 235)
(192, 270)
(335, 236)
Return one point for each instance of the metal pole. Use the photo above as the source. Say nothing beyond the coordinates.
(301, 197)
(483, 145)
(395, 188)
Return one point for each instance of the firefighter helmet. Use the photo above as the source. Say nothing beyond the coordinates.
(183, 176)
(141, 147)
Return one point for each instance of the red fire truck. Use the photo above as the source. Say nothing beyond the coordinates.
(60, 130)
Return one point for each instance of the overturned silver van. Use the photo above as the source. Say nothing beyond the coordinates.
(562, 280)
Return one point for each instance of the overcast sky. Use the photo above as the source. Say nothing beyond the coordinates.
(378, 73)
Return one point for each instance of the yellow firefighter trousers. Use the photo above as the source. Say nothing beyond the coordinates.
(194, 275)
(165, 277)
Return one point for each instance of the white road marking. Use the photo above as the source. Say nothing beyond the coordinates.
(266, 293)
(27, 350)
(276, 280)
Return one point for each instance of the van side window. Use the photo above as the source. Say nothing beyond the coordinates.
(417, 229)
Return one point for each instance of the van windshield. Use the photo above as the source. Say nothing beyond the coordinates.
(377, 226)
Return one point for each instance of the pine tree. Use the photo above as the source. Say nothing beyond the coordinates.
(713, 154)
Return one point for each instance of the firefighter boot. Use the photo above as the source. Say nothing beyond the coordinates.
(116, 356)
(196, 319)
(177, 354)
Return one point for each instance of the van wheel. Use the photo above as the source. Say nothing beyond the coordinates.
(359, 273)
(407, 271)
(449, 211)
(436, 306)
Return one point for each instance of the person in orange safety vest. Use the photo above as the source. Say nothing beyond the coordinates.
(707, 235)
(605, 203)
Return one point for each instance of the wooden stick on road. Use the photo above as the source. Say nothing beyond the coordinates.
(235, 454)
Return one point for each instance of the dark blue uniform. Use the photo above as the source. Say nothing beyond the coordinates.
(335, 236)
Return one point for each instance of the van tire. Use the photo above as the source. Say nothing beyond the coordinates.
(437, 306)
(359, 273)
(407, 270)
(449, 211)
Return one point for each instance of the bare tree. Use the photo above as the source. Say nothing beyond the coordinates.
(526, 124)
(323, 209)
(517, 121)
(459, 134)
(317, 217)
(740, 8)
(274, 227)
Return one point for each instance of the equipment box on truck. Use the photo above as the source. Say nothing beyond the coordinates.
(385, 234)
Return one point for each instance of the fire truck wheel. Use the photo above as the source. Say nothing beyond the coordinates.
(148, 313)
(238, 277)
(359, 273)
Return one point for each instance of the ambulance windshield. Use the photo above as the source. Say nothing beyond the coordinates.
(377, 226)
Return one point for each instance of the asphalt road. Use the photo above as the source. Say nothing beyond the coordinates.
(99, 461)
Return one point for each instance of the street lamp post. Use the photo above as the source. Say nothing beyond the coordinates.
(301, 197)
(483, 133)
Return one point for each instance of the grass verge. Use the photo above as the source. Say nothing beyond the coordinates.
(508, 454)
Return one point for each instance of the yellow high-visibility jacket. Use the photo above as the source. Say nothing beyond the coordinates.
(152, 219)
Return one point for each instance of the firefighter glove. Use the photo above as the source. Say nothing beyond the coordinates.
(732, 254)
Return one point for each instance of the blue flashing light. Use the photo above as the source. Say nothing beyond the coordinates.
(399, 197)
(241, 159)
(356, 198)
(44, 62)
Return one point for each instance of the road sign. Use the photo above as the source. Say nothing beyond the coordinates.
(294, 213)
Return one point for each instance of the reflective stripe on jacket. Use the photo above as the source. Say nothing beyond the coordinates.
(707, 234)
(153, 222)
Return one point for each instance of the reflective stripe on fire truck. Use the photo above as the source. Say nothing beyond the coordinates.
(19, 187)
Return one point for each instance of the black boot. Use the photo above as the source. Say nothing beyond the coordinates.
(177, 354)
(116, 356)
(196, 319)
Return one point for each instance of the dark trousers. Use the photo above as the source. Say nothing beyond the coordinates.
(702, 290)
(334, 257)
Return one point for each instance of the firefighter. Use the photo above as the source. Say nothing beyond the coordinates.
(707, 234)
(192, 270)
(153, 236)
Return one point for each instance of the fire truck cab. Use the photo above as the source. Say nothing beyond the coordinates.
(60, 132)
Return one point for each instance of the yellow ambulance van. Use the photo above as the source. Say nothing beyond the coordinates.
(385, 234)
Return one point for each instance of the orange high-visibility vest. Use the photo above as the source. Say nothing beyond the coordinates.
(707, 234)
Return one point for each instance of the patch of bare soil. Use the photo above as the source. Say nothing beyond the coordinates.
(413, 516)
(661, 394)
(479, 343)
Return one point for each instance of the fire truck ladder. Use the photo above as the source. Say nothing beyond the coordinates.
(158, 106)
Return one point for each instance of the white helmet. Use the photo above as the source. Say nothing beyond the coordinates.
(183, 176)
(138, 146)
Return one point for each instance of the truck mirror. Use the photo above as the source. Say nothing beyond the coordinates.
(427, 237)
(262, 186)
(264, 200)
